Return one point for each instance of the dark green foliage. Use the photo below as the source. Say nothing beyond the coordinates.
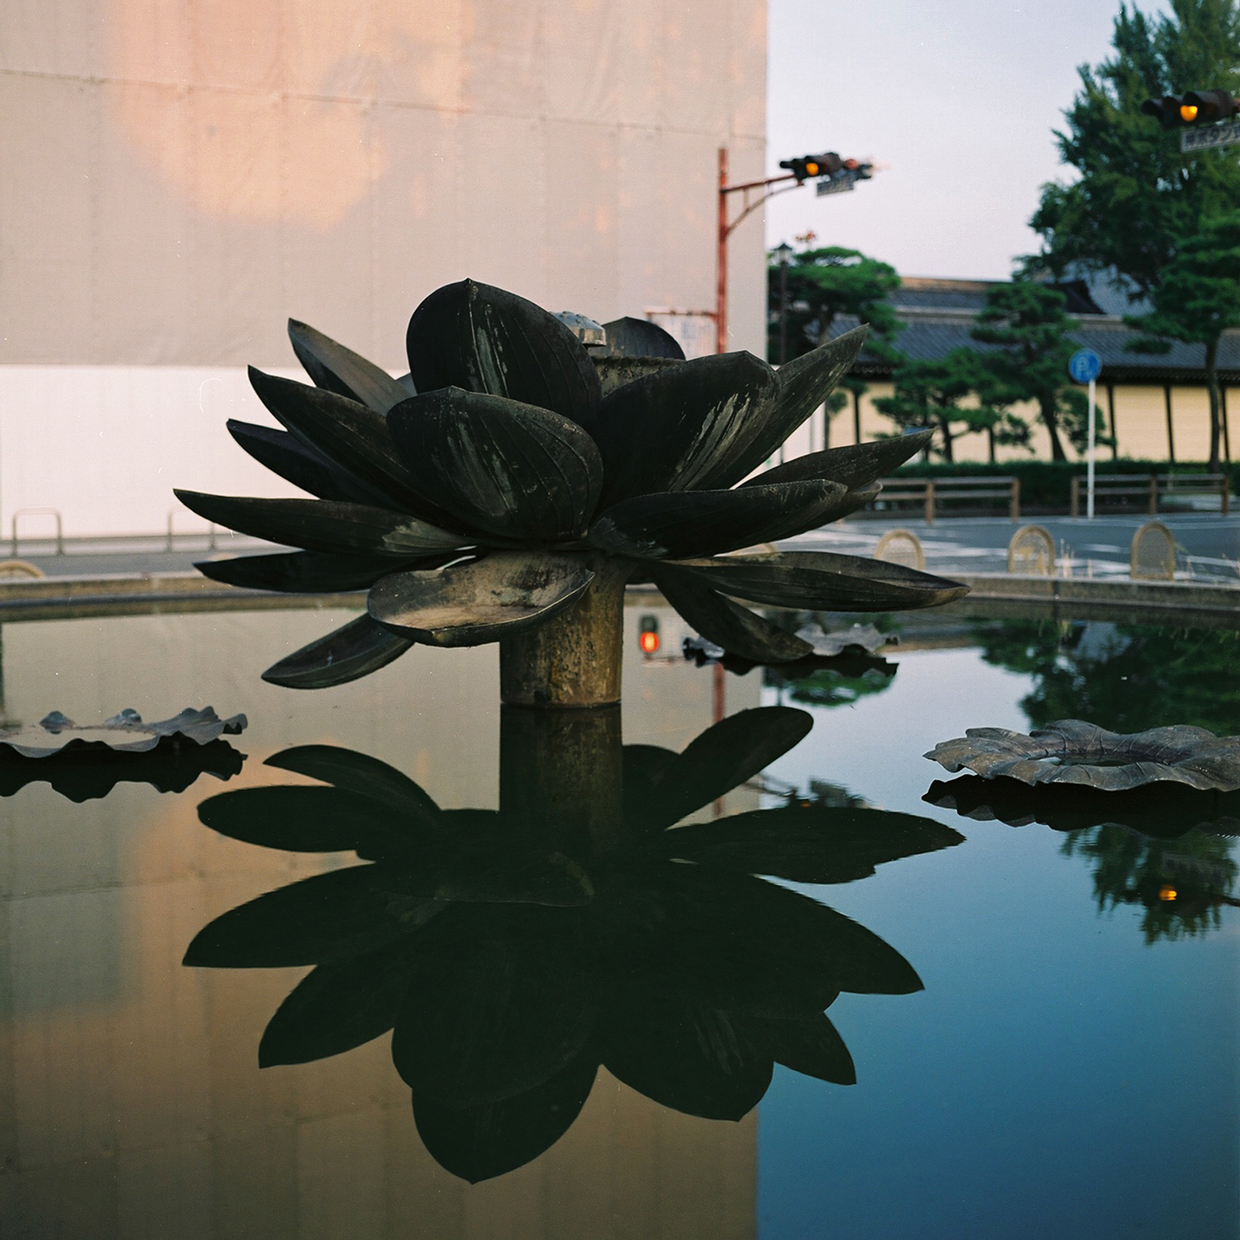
(1025, 323)
(953, 391)
(1138, 200)
(1197, 300)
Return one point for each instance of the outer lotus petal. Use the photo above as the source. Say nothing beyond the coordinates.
(823, 581)
(855, 466)
(729, 625)
(679, 524)
(505, 469)
(340, 370)
(286, 455)
(362, 774)
(470, 604)
(689, 1057)
(337, 1007)
(305, 818)
(808, 845)
(669, 431)
(724, 756)
(346, 654)
(810, 1045)
(629, 337)
(496, 1005)
(484, 339)
(310, 572)
(479, 1143)
(801, 386)
(326, 917)
(323, 525)
(352, 437)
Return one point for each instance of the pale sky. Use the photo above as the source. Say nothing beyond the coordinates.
(958, 97)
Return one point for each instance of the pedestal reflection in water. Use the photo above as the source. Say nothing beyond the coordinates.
(132, 1103)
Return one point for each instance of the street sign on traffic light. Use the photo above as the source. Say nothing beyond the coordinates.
(807, 166)
(1196, 107)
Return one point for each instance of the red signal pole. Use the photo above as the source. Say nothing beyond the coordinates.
(725, 231)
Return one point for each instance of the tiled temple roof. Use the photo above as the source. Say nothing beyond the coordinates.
(938, 316)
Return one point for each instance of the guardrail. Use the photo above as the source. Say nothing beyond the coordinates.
(39, 512)
(1149, 488)
(934, 492)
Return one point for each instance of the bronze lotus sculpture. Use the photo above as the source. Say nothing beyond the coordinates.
(497, 494)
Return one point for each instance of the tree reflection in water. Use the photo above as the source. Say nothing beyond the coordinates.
(1163, 847)
(513, 952)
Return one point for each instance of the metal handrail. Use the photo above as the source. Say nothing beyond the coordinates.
(39, 512)
(212, 530)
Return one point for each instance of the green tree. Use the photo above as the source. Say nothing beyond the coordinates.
(822, 285)
(1027, 325)
(1138, 200)
(1197, 300)
(1137, 196)
(936, 393)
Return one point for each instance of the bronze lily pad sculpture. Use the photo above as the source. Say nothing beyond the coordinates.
(1071, 751)
(496, 494)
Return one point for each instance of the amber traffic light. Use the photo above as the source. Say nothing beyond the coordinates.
(648, 635)
(807, 166)
(1196, 107)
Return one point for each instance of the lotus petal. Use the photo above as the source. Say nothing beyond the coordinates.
(680, 525)
(322, 525)
(340, 370)
(479, 1143)
(508, 470)
(810, 1045)
(855, 466)
(808, 844)
(310, 572)
(821, 580)
(644, 766)
(287, 456)
(470, 604)
(802, 385)
(729, 625)
(326, 917)
(496, 1005)
(484, 339)
(669, 431)
(694, 1059)
(299, 818)
(348, 653)
(629, 337)
(351, 436)
(361, 774)
(725, 755)
(337, 1007)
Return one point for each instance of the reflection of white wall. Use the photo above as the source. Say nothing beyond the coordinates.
(131, 1103)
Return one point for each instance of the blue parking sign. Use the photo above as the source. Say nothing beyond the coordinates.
(1084, 366)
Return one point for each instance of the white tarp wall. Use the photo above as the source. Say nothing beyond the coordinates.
(177, 179)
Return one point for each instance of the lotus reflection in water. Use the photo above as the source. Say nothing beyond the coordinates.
(509, 497)
(513, 956)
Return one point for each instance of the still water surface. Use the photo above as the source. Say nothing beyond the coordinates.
(1070, 1066)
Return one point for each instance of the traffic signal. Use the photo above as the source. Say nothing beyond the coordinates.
(813, 165)
(1197, 107)
(648, 635)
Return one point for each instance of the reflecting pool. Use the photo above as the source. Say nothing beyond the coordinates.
(606, 948)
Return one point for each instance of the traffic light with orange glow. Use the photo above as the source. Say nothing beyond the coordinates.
(807, 166)
(648, 635)
(1197, 107)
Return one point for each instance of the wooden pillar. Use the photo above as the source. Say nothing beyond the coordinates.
(1111, 419)
(1170, 429)
(1226, 428)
